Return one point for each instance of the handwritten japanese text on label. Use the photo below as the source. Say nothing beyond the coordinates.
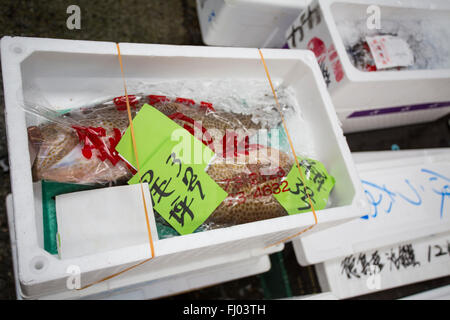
(317, 185)
(182, 192)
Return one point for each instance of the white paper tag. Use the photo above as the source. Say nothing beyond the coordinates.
(390, 52)
(101, 220)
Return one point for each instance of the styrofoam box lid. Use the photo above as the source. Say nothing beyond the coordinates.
(405, 191)
(67, 72)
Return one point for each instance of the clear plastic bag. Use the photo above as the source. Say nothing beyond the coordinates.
(79, 147)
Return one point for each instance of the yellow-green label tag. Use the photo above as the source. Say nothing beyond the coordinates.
(151, 130)
(182, 192)
(317, 184)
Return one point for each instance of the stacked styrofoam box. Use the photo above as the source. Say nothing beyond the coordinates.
(370, 100)
(144, 290)
(402, 264)
(247, 23)
(408, 192)
(70, 71)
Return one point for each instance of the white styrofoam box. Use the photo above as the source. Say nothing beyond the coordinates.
(442, 293)
(405, 184)
(183, 282)
(385, 268)
(370, 100)
(247, 23)
(67, 72)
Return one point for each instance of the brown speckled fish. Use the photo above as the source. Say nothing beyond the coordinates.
(248, 198)
(59, 149)
(83, 152)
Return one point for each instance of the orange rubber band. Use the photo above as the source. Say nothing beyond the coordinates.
(293, 153)
(130, 119)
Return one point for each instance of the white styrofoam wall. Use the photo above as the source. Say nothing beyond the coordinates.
(247, 23)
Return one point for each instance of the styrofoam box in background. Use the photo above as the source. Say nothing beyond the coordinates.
(408, 192)
(139, 289)
(247, 23)
(401, 264)
(370, 100)
(68, 71)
